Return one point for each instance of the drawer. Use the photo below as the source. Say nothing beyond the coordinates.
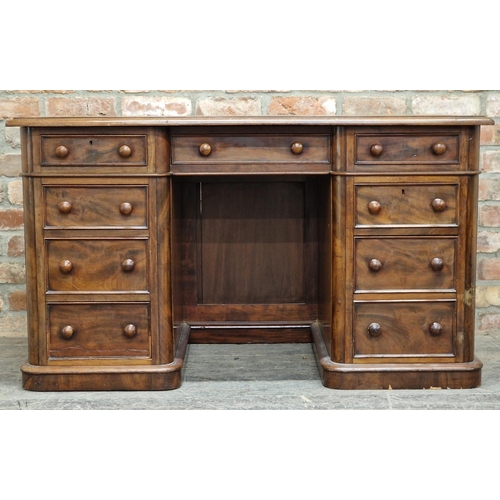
(93, 149)
(403, 329)
(403, 148)
(258, 152)
(99, 330)
(405, 263)
(406, 204)
(99, 265)
(95, 206)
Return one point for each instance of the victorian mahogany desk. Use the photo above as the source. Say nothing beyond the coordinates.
(355, 233)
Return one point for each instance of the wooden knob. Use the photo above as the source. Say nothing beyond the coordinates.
(376, 149)
(128, 265)
(62, 151)
(67, 332)
(124, 151)
(438, 205)
(65, 266)
(437, 264)
(126, 208)
(297, 148)
(205, 149)
(439, 148)
(374, 207)
(435, 329)
(64, 207)
(375, 265)
(130, 331)
(374, 329)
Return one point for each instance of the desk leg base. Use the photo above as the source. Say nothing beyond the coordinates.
(109, 378)
(392, 375)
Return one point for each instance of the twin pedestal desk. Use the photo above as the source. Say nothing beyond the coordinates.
(357, 234)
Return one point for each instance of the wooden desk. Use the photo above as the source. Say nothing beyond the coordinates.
(355, 233)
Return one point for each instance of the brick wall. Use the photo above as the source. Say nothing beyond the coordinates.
(242, 102)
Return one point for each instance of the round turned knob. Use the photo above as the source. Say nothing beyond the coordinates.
(124, 151)
(375, 265)
(438, 205)
(128, 265)
(126, 208)
(374, 329)
(435, 329)
(376, 150)
(374, 207)
(439, 148)
(130, 331)
(67, 332)
(297, 148)
(62, 151)
(205, 149)
(66, 266)
(64, 207)
(437, 264)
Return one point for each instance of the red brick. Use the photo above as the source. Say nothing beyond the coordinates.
(488, 269)
(229, 106)
(15, 246)
(488, 241)
(11, 219)
(490, 216)
(19, 106)
(10, 165)
(156, 106)
(489, 321)
(490, 135)
(489, 188)
(450, 104)
(81, 106)
(491, 161)
(17, 300)
(353, 105)
(12, 273)
(302, 106)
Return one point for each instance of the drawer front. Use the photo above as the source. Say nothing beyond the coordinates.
(406, 149)
(406, 204)
(95, 206)
(86, 265)
(93, 150)
(405, 264)
(250, 150)
(99, 330)
(399, 329)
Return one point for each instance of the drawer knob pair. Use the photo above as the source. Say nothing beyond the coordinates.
(65, 208)
(375, 330)
(129, 331)
(438, 149)
(437, 264)
(205, 148)
(66, 266)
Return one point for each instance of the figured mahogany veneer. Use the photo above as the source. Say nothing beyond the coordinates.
(354, 233)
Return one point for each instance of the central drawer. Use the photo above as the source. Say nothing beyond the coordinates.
(251, 152)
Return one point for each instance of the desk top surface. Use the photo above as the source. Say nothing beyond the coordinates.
(187, 121)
